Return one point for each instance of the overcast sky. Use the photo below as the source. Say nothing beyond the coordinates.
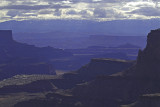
(100, 10)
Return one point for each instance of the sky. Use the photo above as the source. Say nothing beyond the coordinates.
(98, 10)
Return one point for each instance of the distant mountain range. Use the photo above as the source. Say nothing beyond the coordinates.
(71, 40)
(62, 59)
(19, 58)
(117, 27)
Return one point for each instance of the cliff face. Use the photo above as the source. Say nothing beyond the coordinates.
(104, 66)
(121, 88)
(148, 60)
(12, 49)
(126, 87)
(97, 67)
(6, 40)
(11, 69)
(147, 100)
(18, 58)
(6, 36)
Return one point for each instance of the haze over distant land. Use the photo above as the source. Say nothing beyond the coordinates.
(75, 33)
(101, 83)
(65, 19)
(118, 17)
(83, 27)
(79, 53)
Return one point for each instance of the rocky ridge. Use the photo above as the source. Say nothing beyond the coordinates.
(127, 86)
(122, 88)
(19, 58)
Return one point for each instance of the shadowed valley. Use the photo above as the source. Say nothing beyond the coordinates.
(104, 82)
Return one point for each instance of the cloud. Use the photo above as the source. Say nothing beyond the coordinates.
(108, 14)
(25, 7)
(156, 3)
(147, 11)
(101, 1)
(72, 12)
(80, 9)
(100, 13)
(57, 12)
(35, 7)
(14, 13)
(23, 13)
(45, 12)
(82, 13)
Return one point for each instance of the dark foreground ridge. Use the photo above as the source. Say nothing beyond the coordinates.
(127, 86)
(106, 90)
(148, 60)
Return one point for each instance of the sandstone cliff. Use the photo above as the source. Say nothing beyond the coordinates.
(147, 100)
(126, 87)
(18, 58)
(118, 89)
(148, 60)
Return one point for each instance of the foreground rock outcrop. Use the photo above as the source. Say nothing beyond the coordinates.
(95, 69)
(103, 66)
(147, 100)
(125, 87)
(118, 89)
(148, 60)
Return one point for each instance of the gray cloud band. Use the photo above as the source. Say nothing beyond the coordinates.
(88, 9)
(36, 7)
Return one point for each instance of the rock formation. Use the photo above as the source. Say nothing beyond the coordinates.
(18, 58)
(147, 100)
(122, 88)
(6, 36)
(13, 49)
(125, 87)
(148, 60)
(104, 66)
